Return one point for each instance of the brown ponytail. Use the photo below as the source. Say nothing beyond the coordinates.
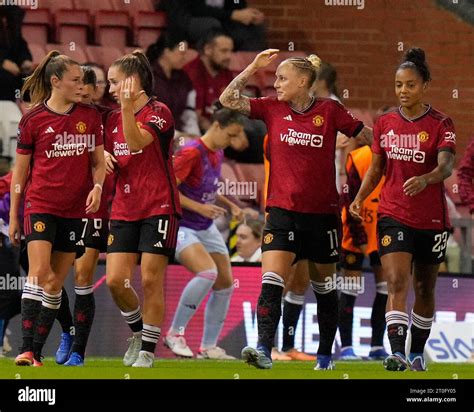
(39, 83)
(137, 63)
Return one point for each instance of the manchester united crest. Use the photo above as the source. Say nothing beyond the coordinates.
(268, 238)
(39, 227)
(423, 137)
(81, 127)
(318, 120)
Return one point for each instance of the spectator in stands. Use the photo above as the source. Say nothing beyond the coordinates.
(15, 57)
(249, 239)
(172, 84)
(101, 96)
(466, 177)
(210, 74)
(195, 18)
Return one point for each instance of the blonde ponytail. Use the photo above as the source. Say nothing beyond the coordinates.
(307, 65)
(315, 61)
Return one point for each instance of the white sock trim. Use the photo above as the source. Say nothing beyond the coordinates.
(382, 288)
(32, 291)
(151, 333)
(133, 316)
(420, 322)
(52, 301)
(84, 290)
(273, 278)
(294, 298)
(395, 316)
(323, 288)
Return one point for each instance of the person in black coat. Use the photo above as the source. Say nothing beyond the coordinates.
(194, 18)
(15, 57)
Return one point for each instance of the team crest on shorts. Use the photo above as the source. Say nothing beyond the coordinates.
(351, 259)
(386, 240)
(39, 227)
(268, 238)
(318, 120)
(423, 136)
(110, 239)
(81, 127)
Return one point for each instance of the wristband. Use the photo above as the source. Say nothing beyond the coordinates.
(99, 186)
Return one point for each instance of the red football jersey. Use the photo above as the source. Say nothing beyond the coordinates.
(411, 148)
(301, 151)
(208, 88)
(146, 183)
(60, 144)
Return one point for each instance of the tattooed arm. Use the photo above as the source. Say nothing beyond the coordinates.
(365, 136)
(232, 97)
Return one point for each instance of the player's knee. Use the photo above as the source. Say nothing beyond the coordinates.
(82, 278)
(397, 283)
(151, 283)
(424, 291)
(115, 284)
(40, 272)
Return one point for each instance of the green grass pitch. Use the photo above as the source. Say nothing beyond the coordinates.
(112, 368)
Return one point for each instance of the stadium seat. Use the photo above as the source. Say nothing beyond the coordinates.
(74, 51)
(95, 5)
(129, 50)
(72, 26)
(112, 28)
(148, 26)
(10, 116)
(55, 5)
(36, 26)
(134, 6)
(37, 51)
(238, 62)
(103, 55)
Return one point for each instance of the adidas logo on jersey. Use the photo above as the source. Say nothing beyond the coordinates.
(334, 253)
(80, 243)
(158, 244)
(115, 130)
(49, 130)
(288, 118)
(96, 234)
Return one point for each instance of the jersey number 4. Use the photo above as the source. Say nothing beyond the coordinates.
(163, 227)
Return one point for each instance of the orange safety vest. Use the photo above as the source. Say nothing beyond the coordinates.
(361, 159)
